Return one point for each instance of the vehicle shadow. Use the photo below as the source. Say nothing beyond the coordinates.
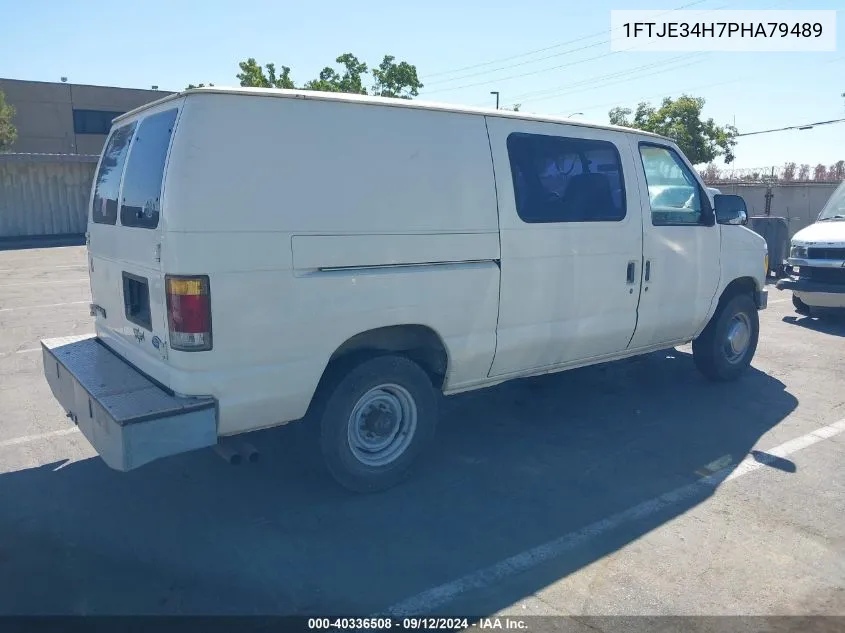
(516, 466)
(830, 321)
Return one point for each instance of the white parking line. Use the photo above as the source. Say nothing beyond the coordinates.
(28, 351)
(26, 439)
(779, 301)
(428, 601)
(46, 305)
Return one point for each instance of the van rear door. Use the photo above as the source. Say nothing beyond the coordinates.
(125, 231)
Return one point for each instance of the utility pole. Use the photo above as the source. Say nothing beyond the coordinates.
(495, 92)
(769, 195)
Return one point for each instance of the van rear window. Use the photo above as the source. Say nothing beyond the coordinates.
(104, 205)
(145, 171)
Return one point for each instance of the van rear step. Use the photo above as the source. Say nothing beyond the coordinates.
(126, 417)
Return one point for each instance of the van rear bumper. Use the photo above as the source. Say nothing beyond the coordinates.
(126, 417)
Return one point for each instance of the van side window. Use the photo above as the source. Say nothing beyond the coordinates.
(144, 174)
(673, 192)
(104, 200)
(560, 179)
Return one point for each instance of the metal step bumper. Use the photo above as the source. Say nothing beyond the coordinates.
(126, 417)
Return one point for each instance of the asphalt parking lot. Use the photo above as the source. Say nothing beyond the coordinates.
(587, 492)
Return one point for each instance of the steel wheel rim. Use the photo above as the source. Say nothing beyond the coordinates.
(381, 425)
(738, 338)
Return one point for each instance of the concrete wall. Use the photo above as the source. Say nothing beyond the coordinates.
(48, 195)
(799, 203)
(44, 113)
(44, 195)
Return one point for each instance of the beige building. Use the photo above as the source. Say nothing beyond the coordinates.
(65, 118)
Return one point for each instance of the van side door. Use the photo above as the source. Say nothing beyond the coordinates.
(571, 243)
(681, 247)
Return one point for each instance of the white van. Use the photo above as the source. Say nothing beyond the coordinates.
(818, 251)
(261, 256)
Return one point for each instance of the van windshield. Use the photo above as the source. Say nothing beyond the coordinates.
(835, 207)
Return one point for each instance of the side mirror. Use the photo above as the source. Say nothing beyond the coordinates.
(730, 209)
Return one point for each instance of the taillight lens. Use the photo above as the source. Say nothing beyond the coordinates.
(189, 312)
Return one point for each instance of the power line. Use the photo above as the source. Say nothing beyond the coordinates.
(525, 63)
(806, 126)
(629, 73)
(547, 48)
(751, 77)
(615, 83)
(543, 70)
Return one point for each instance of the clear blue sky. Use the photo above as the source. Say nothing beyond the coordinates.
(170, 44)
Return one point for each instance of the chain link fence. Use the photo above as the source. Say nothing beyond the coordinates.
(788, 173)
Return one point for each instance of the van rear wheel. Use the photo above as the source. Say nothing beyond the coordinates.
(726, 346)
(379, 417)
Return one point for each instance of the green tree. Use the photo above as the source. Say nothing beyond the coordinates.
(8, 133)
(396, 80)
(710, 173)
(350, 81)
(391, 79)
(804, 172)
(680, 119)
(253, 75)
(789, 171)
(190, 86)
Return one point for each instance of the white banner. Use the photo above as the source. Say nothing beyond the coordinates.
(752, 31)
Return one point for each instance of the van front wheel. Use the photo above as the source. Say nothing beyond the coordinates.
(727, 345)
(378, 419)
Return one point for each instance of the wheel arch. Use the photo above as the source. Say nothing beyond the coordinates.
(739, 286)
(746, 285)
(420, 343)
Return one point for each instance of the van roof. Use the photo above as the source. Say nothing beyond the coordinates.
(381, 101)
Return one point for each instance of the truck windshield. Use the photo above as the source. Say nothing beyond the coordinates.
(835, 207)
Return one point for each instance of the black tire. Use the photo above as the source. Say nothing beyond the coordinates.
(712, 352)
(402, 378)
(801, 307)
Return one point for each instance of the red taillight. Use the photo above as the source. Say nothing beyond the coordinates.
(189, 312)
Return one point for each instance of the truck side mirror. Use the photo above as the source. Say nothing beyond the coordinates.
(730, 209)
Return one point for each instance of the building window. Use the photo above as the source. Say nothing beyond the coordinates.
(561, 179)
(93, 121)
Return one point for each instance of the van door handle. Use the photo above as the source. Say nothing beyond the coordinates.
(631, 273)
(648, 270)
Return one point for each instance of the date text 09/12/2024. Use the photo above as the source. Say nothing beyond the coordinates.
(416, 623)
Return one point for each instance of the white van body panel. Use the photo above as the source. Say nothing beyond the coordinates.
(683, 268)
(327, 255)
(564, 293)
(822, 233)
(318, 218)
(114, 249)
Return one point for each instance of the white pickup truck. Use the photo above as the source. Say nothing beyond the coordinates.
(818, 251)
(262, 256)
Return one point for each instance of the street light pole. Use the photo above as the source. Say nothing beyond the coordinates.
(495, 92)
